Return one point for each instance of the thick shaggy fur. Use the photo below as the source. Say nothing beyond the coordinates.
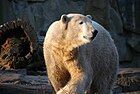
(76, 63)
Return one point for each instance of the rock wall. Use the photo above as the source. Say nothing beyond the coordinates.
(120, 17)
(40, 13)
(129, 12)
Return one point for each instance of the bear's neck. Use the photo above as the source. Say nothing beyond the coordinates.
(65, 51)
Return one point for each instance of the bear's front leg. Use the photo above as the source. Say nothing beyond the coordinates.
(77, 85)
(80, 78)
(58, 77)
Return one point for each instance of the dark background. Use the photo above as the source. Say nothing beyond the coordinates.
(120, 17)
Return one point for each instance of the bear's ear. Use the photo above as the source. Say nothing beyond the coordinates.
(89, 16)
(64, 20)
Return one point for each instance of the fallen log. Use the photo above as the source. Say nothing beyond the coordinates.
(19, 47)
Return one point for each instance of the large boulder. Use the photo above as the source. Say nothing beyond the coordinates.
(116, 24)
(134, 42)
(99, 10)
(125, 52)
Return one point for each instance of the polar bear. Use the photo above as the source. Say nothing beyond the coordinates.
(80, 56)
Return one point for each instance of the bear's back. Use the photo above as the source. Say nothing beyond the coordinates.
(102, 50)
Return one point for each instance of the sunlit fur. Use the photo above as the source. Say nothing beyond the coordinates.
(75, 63)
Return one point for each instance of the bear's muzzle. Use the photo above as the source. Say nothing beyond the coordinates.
(94, 33)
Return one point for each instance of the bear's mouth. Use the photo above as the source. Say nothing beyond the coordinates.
(88, 38)
(91, 37)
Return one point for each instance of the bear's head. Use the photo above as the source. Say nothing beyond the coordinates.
(77, 29)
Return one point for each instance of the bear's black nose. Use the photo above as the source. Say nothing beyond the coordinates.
(94, 34)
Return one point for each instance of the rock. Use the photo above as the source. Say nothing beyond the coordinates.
(9, 77)
(17, 82)
(99, 10)
(127, 13)
(17, 71)
(129, 10)
(35, 80)
(115, 22)
(7, 89)
(117, 90)
(136, 60)
(137, 16)
(125, 53)
(41, 13)
(134, 42)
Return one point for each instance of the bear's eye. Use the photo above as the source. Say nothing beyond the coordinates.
(81, 22)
